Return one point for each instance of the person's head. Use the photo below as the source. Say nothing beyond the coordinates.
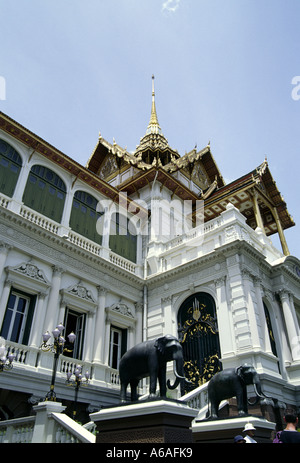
(290, 418)
(239, 440)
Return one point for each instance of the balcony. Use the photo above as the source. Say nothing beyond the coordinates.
(32, 371)
(230, 226)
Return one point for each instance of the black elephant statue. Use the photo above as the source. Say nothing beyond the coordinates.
(233, 382)
(149, 359)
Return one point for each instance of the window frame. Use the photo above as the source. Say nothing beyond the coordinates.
(26, 322)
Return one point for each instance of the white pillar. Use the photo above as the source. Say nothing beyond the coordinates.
(262, 316)
(89, 337)
(4, 299)
(292, 331)
(225, 324)
(247, 282)
(15, 205)
(37, 325)
(139, 322)
(166, 303)
(131, 343)
(52, 313)
(98, 350)
(44, 428)
(106, 339)
(67, 213)
(4, 248)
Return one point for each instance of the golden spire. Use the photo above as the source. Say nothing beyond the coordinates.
(153, 126)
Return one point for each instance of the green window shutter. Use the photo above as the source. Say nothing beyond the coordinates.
(122, 242)
(45, 192)
(10, 167)
(83, 219)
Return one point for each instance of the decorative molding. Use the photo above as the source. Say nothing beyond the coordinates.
(81, 292)
(27, 276)
(78, 296)
(121, 308)
(32, 271)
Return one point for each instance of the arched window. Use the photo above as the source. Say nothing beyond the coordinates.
(122, 237)
(10, 166)
(84, 216)
(45, 192)
(198, 334)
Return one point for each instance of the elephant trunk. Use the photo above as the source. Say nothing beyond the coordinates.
(178, 372)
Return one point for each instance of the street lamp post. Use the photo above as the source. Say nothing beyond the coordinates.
(57, 348)
(79, 380)
(6, 360)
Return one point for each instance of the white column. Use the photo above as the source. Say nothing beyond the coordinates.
(4, 248)
(247, 282)
(106, 339)
(225, 324)
(139, 322)
(89, 337)
(98, 350)
(130, 331)
(66, 213)
(257, 214)
(37, 325)
(15, 205)
(265, 331)
(4, 299)
(52, 313)
(166, 303)
(292, 330)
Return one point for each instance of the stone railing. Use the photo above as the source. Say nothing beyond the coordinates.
(197, 398)
(49, 425)
(39, 219)
(17, 431)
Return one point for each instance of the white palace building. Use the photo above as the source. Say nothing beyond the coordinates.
(133, 246)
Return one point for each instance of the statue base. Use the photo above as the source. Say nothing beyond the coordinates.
(151, 421)
(223, 430)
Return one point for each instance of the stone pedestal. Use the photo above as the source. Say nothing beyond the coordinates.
(153, 421)
(224, 430)
(44, 429)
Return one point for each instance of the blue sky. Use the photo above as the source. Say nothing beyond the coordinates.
(223, 73)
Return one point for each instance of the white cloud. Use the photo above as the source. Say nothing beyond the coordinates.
(170, 5)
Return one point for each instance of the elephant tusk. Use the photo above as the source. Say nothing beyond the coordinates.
(178, 376)
(261, 395)
(258, 396)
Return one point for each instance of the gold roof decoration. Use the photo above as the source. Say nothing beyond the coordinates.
(110, 159)
(154, 150)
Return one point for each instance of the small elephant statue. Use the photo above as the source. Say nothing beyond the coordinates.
(233, 382)
(149, 359)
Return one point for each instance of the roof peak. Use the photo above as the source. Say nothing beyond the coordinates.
(153, 126)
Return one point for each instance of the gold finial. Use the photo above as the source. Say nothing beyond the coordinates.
(153, 126)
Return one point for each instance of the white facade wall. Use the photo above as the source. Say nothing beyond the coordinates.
(238, 267)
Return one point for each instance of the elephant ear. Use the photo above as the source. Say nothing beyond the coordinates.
(160, 345)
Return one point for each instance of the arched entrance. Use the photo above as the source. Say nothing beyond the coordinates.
(198, 334)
